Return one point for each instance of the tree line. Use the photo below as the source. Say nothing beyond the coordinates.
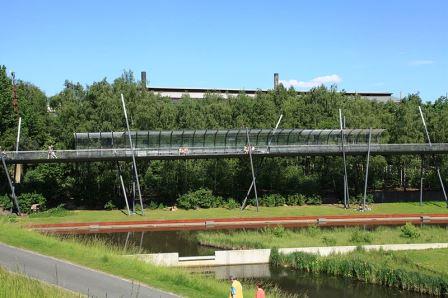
(53, 120)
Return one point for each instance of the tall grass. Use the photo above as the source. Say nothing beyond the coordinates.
(314, 236)
(383, 268)
(15, 285)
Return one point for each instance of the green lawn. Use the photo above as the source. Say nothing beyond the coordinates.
(15, 285)
(313, 236)
(103, 257)
(321, 210)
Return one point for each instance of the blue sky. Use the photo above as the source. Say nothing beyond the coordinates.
(360, 45)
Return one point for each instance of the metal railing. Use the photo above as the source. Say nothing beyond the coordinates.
(217, 152)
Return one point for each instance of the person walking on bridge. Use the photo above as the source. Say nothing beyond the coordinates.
(236, 290)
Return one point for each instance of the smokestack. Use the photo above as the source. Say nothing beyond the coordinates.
(143, 79)
(275, 80)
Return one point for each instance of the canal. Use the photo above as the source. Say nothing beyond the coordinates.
(293, 282)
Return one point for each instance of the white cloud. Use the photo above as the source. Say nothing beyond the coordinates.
(420, 62)
(316, 82)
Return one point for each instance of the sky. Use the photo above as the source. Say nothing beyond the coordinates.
(373, 45)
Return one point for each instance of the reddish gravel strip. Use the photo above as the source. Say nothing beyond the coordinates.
(231, 223)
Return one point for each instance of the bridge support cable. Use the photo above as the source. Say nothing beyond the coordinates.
(342, 125)
(261, 162)
(436, 163)
(421, 179)
(11, 186)
(18, 167)
(133, 154)
(273, 133)
(120, 175)
(364, 207)
(253, 184)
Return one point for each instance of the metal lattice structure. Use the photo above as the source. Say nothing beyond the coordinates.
(230, 139)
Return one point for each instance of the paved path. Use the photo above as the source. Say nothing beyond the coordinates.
(73, 277)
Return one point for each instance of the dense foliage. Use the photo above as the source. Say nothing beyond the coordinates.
(77, 108)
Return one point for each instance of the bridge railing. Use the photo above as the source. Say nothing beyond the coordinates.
(205, 152)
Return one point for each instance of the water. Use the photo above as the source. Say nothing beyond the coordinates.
(300, 283)
(185, 243)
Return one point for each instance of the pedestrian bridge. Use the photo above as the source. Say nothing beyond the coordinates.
(194, 144)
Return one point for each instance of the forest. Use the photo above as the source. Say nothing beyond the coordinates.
(97, 108)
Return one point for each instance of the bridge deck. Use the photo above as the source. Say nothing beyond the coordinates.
(90, 155)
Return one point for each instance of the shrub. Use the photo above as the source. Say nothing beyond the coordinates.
(409, 231)
(152, 205)
(201, 198)
(110, 205)
(272, 200)
(358, 199)
(231, 204)
(59, 211)
(314, 200)
(28, 199)
(296, 200)
(5, 202)
(361, 237)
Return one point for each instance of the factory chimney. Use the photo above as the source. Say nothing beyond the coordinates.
(275, 80)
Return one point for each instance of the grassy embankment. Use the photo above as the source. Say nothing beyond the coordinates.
(104, 257)
(314, 236)
(320, 210)
(418, 271)
(15, 285)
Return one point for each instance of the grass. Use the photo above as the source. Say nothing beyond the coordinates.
(321, 210)
(16, 285)
(313, 236)
(101, 256)
(420, 271)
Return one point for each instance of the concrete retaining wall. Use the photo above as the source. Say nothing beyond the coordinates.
(261, 256)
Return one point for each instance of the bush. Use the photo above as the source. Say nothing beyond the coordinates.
(314, 200)
(296, 200)
(28, 199)
(5, 202)
(358, 199)
(110, 205)
(231, 204)
(59, 211)
(201, 198)
(152, 205)
(409, 231)
(272, 200)
(361, 237)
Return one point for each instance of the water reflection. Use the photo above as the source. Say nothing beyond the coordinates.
(183, 242)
